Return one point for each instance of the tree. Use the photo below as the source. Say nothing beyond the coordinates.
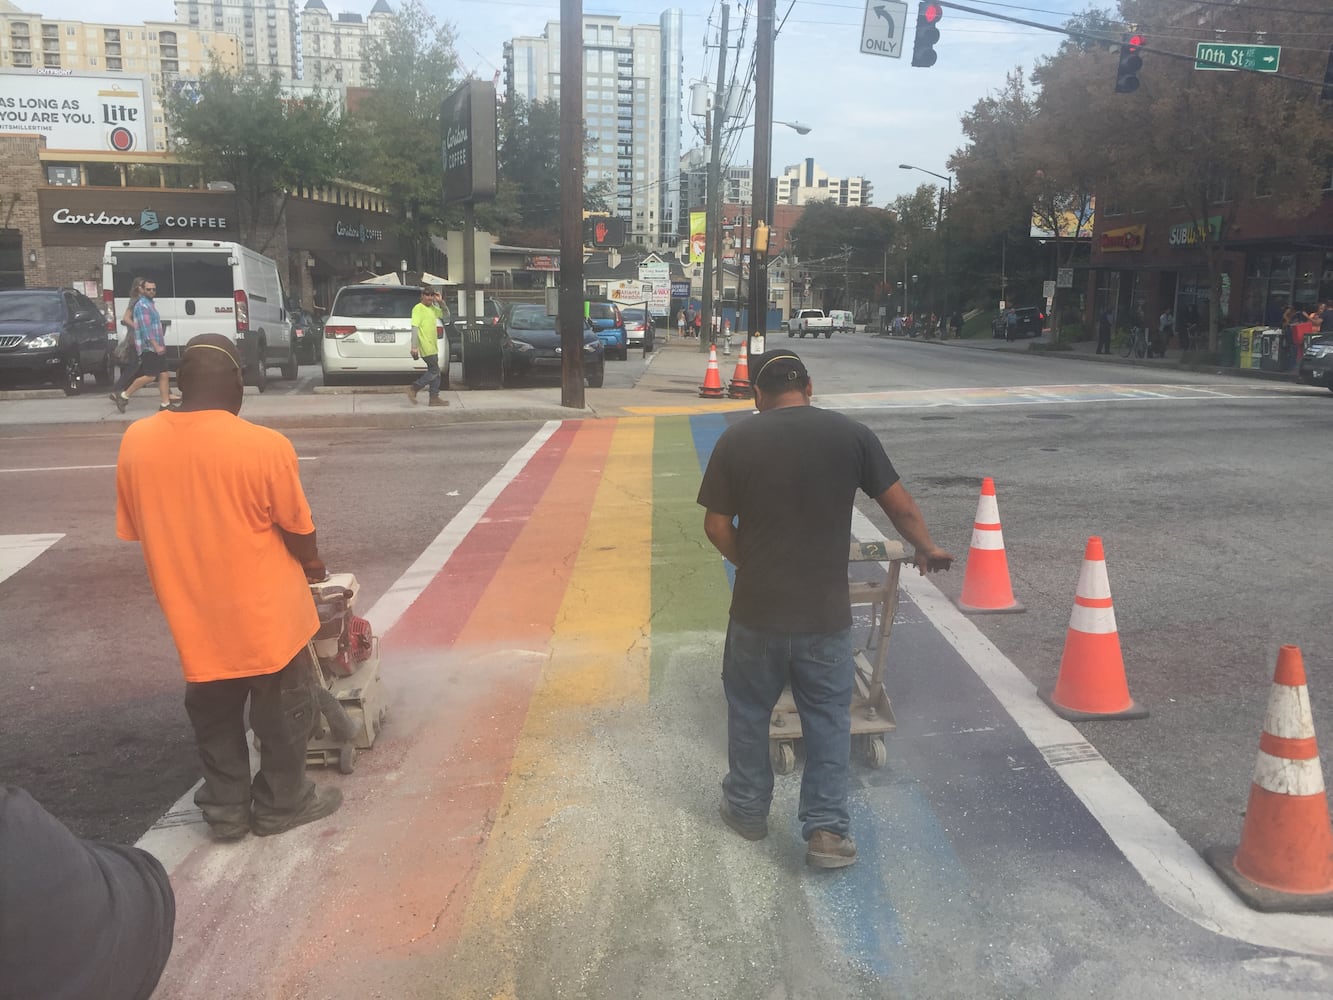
(247, 131)
(396, 126)
(843, 249)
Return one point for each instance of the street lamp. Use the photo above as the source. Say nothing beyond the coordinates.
(948, 180)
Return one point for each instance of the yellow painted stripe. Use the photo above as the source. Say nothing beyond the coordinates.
(599, 659)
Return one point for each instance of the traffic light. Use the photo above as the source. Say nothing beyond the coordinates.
(927, 34)
(1127, 73)
(603, 231)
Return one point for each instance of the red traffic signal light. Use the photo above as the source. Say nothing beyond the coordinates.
(927, 34)
(932, 12)
(1135, 42)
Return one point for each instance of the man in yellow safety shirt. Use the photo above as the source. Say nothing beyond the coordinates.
(425, 344)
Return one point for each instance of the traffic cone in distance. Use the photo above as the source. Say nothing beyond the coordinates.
(1092, 681)
(1285, 858)
(740, 387)
(712, 387)
(986, 587)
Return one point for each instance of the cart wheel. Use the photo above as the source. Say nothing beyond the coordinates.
(783, 755)
(877, 755)
(347, 758)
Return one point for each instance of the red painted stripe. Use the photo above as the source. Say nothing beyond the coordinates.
(1289, 749)
(439, 613)
(1092, 602)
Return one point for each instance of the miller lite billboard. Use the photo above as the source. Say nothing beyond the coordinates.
(79, 112)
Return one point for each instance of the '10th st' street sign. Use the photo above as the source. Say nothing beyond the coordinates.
(1215, 55)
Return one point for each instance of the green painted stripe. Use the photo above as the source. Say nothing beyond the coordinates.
(689, 586)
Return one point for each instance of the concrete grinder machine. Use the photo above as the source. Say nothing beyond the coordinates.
(345, 656)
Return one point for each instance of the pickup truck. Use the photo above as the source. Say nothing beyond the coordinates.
(811, 321)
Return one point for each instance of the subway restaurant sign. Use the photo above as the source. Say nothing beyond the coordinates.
(1188, 234)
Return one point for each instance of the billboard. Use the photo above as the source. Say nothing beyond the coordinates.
(1073, 215)
(78, 112)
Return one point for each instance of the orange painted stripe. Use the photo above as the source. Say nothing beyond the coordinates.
(1287, 748)
(1092, 602)
(416, 876)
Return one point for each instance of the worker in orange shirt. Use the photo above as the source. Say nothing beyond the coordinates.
(216, 504)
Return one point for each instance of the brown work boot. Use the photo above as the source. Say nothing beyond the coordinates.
(412, 394)
(437, 401)
(319, 805)
(828, 850)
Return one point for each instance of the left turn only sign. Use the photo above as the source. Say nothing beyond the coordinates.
(883, 28)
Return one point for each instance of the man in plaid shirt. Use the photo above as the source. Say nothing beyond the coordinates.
(152, 351)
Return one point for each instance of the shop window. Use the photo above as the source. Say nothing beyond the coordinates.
(102, 174)
(62, 174)
(142, 175)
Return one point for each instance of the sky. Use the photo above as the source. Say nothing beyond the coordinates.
(867, 113)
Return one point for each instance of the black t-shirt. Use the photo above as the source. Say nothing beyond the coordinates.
(79, 920)
(791, 476)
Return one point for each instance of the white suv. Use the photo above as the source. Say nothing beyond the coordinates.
(368, 332)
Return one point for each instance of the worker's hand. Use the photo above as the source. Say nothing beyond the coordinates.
(315, 571)
(415, 354)
(932, 560)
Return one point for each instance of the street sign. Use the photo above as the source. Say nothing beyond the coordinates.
(883, 28)
(1064, 277)
(1215, 55)
(1048, 290)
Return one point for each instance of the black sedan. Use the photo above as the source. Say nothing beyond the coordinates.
(54, 335)
(532, 347)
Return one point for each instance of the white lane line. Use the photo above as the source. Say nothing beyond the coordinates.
(85, 468)
(181, 829)
(16, 551)
(1172, 869)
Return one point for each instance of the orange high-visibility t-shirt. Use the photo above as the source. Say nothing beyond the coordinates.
(205, 493)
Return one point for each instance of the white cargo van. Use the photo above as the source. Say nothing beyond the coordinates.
(207, 286)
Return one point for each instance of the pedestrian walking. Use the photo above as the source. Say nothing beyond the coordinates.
(1010, 325)
(698, 325)
(150, 340)
(216, 505)
(425, 345)
(437, 303)
(128, 350)
(956, 323)
(1163, 337)
(680, 324)
(789, 477)
(1326, 318)
(898, 325)
(1105, 322)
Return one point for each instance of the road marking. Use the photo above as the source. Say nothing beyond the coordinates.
(16, 551)
(172, 838)
(85, 468)
(1170, 867)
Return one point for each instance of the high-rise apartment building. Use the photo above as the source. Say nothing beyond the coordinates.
(737, 185)
(805, 182)
(266, 28)
(161, 51)
(332, 49)
(632, 90)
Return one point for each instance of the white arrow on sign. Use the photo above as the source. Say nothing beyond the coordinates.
(883, 28)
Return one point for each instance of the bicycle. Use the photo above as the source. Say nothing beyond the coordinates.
(1136, 344)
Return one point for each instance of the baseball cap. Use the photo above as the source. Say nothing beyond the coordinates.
(777, 371)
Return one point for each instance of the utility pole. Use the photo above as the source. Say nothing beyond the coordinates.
(713, 228)
(761, 210)
(570, 316)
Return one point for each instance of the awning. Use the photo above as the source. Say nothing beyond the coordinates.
(383, 279)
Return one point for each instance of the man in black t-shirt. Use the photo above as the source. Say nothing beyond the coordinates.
(789, 477)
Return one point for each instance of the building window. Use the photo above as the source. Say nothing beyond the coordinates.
(62, 174)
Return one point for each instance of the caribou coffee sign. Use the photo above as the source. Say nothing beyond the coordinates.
(87, 216)
(357, 231)
(147, 220)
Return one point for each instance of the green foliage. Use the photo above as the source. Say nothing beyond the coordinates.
(844, 248)
(245, 129)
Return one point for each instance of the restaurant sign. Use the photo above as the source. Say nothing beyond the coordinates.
(87, 216)
(1122, 240)
(357, 231)
(1188, 234)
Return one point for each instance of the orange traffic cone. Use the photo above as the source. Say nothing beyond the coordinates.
(712, 387)
(1092, 681)
(986, 588)
(1285, 858)
(740, 387)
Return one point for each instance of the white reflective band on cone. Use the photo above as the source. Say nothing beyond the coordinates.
(1289, 777)
(987, 538)
(988, 511)
(1092, 581)
(1094, 621)
(1289, 714)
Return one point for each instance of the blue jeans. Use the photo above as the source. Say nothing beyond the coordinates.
(430, 378)
(756, 665)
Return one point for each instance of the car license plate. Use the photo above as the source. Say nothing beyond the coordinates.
(385, 337)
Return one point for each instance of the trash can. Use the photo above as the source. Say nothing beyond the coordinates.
(1227, 341)
(483, 357)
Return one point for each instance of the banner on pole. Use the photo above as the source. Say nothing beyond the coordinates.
(698, 236)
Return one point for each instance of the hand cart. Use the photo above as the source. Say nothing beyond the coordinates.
(872, 715)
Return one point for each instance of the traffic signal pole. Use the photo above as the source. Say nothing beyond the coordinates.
(570, 316)
(760, 177)
(713, 224)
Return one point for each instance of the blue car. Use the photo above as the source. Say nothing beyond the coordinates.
(609, 325)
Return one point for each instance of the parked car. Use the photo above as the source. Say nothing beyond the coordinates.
(532, 347)
(1316, 367)
(306, 334)
(609, 324)
(54, 335)
(368, 333)
(639, 329)
(492, 314)
(207, 286)
(1031, 321)
(811, 321)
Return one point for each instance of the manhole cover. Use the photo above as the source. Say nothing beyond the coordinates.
(937, 416)
(1049, 416)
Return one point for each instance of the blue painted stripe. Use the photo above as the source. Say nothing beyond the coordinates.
(706, 429)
